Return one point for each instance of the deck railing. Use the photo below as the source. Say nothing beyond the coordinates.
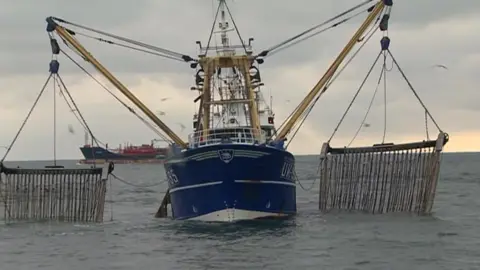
(230, 135)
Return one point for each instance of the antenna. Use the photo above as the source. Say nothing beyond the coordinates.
(223, 25)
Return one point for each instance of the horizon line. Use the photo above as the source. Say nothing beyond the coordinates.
(303, 155)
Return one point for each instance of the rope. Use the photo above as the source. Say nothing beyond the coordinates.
(149, 125)
(76, 108)
(384, 74)
(272, 48)
(71, 108)
(127, 40)
(355, 97)
(326, 87)
(384, 71)
(135, 185)
(318, 32)
(368, 110)
(54, 120)
(26, 118)
(426, 126)
(414, 92)
(126, 46)
(236, 28)
(213, 26)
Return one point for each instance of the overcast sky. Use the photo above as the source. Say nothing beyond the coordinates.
(423, 35)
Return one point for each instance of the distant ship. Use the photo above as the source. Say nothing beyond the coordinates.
(128, 153)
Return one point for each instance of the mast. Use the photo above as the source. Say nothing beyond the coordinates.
(330, 72)
(64, 33)
(225, 82)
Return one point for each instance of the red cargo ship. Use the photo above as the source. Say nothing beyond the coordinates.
(145, 153)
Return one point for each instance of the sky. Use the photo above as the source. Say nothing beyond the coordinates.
(428, 33)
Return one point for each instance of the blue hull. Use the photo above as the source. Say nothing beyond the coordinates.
(228, 182)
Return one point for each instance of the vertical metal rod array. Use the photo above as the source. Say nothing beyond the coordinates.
(380, 179)
(71, 195)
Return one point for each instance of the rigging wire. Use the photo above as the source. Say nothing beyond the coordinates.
(235, 25)
(148, 124)
(186, 58)
(335, 77)
(370, 35)
(368, 110)
(384, 71)
(355, 97)
(275, 47)
(127, 46)
(213, 26)
(65, 90)
(426, 125)
(26, 118)
(73, 110)
(383, 76)
(317, 33)
(54, 121)
(328, 83)
(414, 91)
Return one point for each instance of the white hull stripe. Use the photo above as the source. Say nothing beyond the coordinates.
(196, 186)
(214, 154)
(236, 181)
(265, 182)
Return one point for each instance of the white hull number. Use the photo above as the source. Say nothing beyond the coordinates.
(288, 170)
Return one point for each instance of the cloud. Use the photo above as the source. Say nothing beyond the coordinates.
(432, 32)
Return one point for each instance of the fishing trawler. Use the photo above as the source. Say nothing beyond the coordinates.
(235, 165)
(231, 170)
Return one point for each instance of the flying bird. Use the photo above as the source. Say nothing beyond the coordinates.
(182, 127)
(441, 66)
(164, 99)
(70, 129)
(161, 113)
(366, 125)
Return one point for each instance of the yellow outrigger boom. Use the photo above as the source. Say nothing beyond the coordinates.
(61, 31)
(330, 72)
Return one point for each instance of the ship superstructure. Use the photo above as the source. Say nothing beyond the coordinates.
(229, 156)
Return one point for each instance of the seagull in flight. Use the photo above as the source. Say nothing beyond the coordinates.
(182, 127)
(164, 99)
(366, 125)
(441, 66)
(70, 129)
